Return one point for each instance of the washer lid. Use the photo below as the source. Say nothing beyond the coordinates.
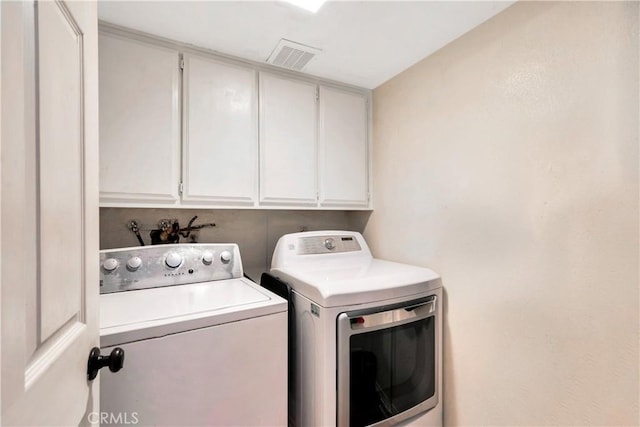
(332, 283)
(148, 313)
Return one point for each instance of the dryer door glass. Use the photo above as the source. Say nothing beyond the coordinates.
(391, 370)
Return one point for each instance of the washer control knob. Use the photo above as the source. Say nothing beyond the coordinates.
(330, 244)
(207, 257)
(225, 257)
(173, 260)
(134, 263)
(110, 264)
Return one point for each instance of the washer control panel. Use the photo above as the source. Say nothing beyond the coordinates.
(166, 265)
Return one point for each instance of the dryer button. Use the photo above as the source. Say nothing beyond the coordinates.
(330, 244)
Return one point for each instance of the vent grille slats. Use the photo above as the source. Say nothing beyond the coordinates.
(292, 55)
(284, 53)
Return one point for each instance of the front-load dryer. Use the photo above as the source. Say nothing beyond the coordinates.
(367, 334)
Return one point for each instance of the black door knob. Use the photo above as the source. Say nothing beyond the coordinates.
(115, 361)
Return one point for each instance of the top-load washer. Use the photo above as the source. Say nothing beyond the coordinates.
(203, 345)
(367, 333)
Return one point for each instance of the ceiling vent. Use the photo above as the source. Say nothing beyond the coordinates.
(292, 55)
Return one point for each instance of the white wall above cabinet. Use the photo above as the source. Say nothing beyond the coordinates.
(220, 143)
(139, 122)
(184, 127)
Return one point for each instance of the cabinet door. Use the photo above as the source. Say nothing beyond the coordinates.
(288, 121)
(220, 151)
(343, 149)
(139, 122)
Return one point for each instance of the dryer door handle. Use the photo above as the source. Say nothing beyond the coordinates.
(431, 303)
(360, 321)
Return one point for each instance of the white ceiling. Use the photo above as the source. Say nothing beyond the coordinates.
(364, 43)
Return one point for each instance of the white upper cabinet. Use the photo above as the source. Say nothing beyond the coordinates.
(182, 127)
(220, 125)
(139, 122)
(288, 129)
(343, 148)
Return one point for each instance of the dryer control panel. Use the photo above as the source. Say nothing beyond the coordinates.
(314, 246)
(327, 244)
(166, 265)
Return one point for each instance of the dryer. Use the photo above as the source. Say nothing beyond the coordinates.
(366, 333)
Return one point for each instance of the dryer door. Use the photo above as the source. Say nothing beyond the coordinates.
(387, 363)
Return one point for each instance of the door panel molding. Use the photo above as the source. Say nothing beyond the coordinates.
(49, 211)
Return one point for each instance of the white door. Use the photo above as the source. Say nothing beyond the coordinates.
(220, 153)
(49, 212)
(288, 119)
(139, 122)
(343, 148)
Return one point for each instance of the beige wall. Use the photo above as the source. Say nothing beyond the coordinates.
(255, 231)
(508, 162)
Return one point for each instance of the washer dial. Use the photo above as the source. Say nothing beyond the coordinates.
(207, 257)
(134, 263)
(225, 257)
(173, 260)
(110, 264)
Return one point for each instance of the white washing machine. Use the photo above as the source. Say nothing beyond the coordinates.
(202, 345)
(367, 334)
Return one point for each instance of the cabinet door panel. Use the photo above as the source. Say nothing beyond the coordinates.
(288, 121)
(343, 148)
(220, 133)
(139, 121)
